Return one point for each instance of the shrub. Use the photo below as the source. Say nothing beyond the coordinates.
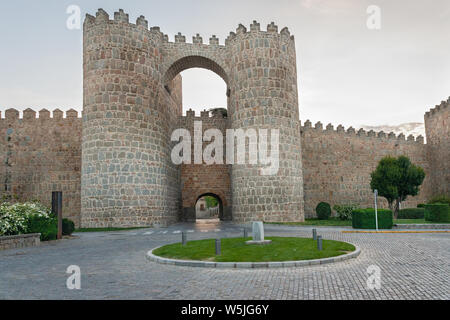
(68, 227)
(365, 219)
(421, 205)
(437, 212)
(440, 199)
(46, 226)
(20, 218)
(323, 211)
(411, 213)
(12, 220)
(345, 211)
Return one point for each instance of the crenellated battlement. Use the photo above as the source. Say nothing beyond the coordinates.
(255, 27)
(191, 115)
(121, 17)
(438, 108)
(318, 127)
(43, 114)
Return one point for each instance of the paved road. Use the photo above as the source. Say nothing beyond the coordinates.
(113, 266)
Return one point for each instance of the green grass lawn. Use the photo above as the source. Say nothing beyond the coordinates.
(416, 221)
(347, 223)
(317, 222)
(106, 229)
(235, 250)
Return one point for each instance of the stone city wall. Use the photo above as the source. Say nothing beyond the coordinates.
(41, 155)
(337, 164)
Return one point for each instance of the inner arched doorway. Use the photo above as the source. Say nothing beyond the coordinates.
(209, 206)
(200, 179)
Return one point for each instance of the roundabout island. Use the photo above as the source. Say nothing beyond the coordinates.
(235, 253)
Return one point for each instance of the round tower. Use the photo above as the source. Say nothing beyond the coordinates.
(263, 95)
(128, 178)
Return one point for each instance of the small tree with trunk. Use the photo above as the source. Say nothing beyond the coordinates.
(396, 179)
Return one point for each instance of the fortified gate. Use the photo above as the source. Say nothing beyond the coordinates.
(132, 104)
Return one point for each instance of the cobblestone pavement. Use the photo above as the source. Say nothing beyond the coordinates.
(113, 266)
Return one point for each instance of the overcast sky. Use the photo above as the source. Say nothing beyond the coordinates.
(348, 74)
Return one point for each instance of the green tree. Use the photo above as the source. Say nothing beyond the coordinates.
(221, 111)
(211, 202)
(396, 179)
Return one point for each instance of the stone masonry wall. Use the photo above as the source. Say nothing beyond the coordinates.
(437, 126)
(20, 241)
(41, 155)
(337, 164)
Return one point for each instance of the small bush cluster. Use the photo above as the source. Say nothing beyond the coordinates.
(344, 212)
(46, 226)
(365, 219)
(31, 217)
(323, 211)
(411, 213)
(68, 227)
(437, 212)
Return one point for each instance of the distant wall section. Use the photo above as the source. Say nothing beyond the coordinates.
(337, 164)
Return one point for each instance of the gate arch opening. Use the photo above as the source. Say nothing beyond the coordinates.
(200, 180)
(209, 206)
(194, 61)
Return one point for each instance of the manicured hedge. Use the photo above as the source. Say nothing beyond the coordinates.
(365, 219)
(46, 226)
(411, 213)
(68, 227)
(323, 211)
(438, 212)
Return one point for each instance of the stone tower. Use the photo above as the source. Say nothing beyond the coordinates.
(263, 95)
(437, 126)
(132, 104)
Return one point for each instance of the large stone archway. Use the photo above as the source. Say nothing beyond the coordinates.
(201, 179)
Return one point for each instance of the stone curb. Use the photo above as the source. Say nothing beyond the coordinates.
(422, 226)
(251, 265)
